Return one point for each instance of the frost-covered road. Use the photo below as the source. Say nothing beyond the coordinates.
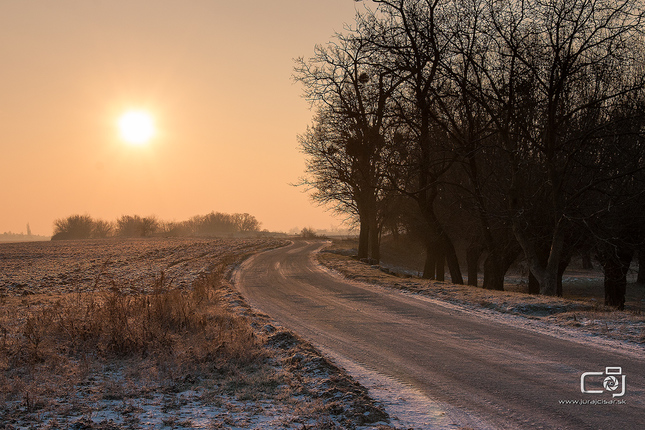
(482, 373)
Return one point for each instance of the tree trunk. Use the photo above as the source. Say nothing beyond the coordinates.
(439, 252)
(374, 241)
(450, 257)
(549, 283)
(430, 266)
(443, 249)
(641, 267)
(493, 272)
(561, 268)
(615, 284)
(534, 285)
(497, 263)
(363, 238)
(473, 254)
(615, 264)
(441, 266)
(546, 274)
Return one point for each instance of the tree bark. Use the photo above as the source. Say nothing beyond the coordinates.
(545, 274)
(641, 267)
(561, 268)
(473, 254)
(450, 257)
(615, 264)
(441, 265)
(444, 248)
(534, 285)
(493, 273)
(496, 265)
(549, 284)
(615, 284)
(374, 238)
(430, 266)
(363, 237)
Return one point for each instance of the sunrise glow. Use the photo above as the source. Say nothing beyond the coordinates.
(218, 110)
(136, 127)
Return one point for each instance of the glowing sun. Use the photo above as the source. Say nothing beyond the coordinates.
(136, 127)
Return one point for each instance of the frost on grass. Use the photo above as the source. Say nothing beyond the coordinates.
(155, 339)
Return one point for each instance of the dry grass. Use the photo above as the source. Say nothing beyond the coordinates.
(116, 325)
(157, 336)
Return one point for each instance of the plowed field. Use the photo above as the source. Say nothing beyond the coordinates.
(132, 265)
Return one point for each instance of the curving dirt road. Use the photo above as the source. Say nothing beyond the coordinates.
(487, 373)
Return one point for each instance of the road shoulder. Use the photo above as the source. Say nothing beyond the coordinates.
(582, 320)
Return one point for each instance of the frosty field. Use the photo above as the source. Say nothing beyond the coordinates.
(133, 264)
(81, 346)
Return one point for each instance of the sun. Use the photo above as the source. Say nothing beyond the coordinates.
(136, 127)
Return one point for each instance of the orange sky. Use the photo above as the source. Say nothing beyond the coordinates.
(215, 74)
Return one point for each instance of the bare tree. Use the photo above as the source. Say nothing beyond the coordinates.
(547, 73)
(329, 168)
(351, 89)
(246, 223)
(523, 118)
(416, 46)
(615, 221)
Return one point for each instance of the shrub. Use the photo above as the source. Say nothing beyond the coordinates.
(220, 223)
(308, 233)
(73, 227)
(102, 229)
(212, 224)
(136, 226)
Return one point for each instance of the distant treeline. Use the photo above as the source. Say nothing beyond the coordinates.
(215, 223)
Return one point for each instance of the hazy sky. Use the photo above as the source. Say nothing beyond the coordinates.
(216, 76)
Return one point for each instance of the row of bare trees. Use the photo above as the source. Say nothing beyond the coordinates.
(215, 223)
(515, 126)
